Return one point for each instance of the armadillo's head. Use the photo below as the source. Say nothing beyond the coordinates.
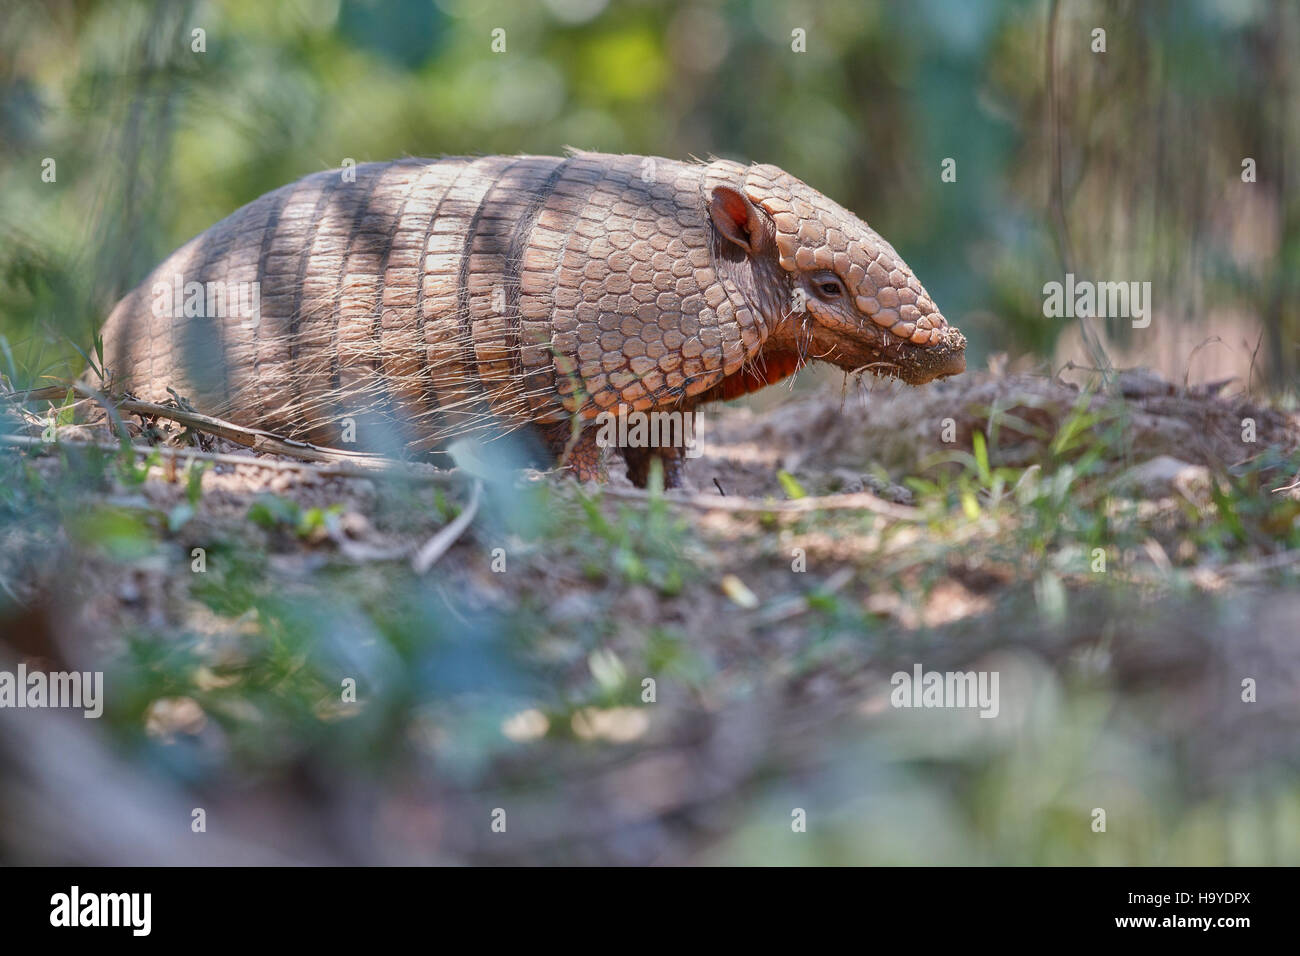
(830, 286)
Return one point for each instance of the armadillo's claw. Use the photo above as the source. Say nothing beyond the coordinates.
(639, 461)
(581, 456)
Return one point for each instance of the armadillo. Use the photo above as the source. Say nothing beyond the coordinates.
(433, 298)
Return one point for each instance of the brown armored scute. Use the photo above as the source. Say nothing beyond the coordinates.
(430, 299)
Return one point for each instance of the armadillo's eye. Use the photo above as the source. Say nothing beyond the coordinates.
(828, 287)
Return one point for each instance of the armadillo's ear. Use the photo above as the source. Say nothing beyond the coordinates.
(736, 217)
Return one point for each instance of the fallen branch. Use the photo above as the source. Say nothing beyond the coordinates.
(255, 438)
(57, 393)
(859, 501)
(437, 546)
(382, 468)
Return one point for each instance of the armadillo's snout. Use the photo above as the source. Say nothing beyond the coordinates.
(950, 353)
(944, 356)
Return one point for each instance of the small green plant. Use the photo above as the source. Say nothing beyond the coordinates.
(273, 512)
(131, 473)
(790, 485)
(644, 545)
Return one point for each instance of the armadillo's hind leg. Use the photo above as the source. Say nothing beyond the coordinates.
(638, 465)
(581, 455)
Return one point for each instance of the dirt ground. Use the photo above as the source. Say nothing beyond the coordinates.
(829, 540)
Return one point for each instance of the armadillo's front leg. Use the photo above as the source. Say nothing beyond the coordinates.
(638, 465)
(582, 456)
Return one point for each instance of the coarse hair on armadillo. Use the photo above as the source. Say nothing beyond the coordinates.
(463, 294)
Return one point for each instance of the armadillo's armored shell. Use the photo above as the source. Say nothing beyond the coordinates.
(625, 276)
(447, 294)
(814, 232)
